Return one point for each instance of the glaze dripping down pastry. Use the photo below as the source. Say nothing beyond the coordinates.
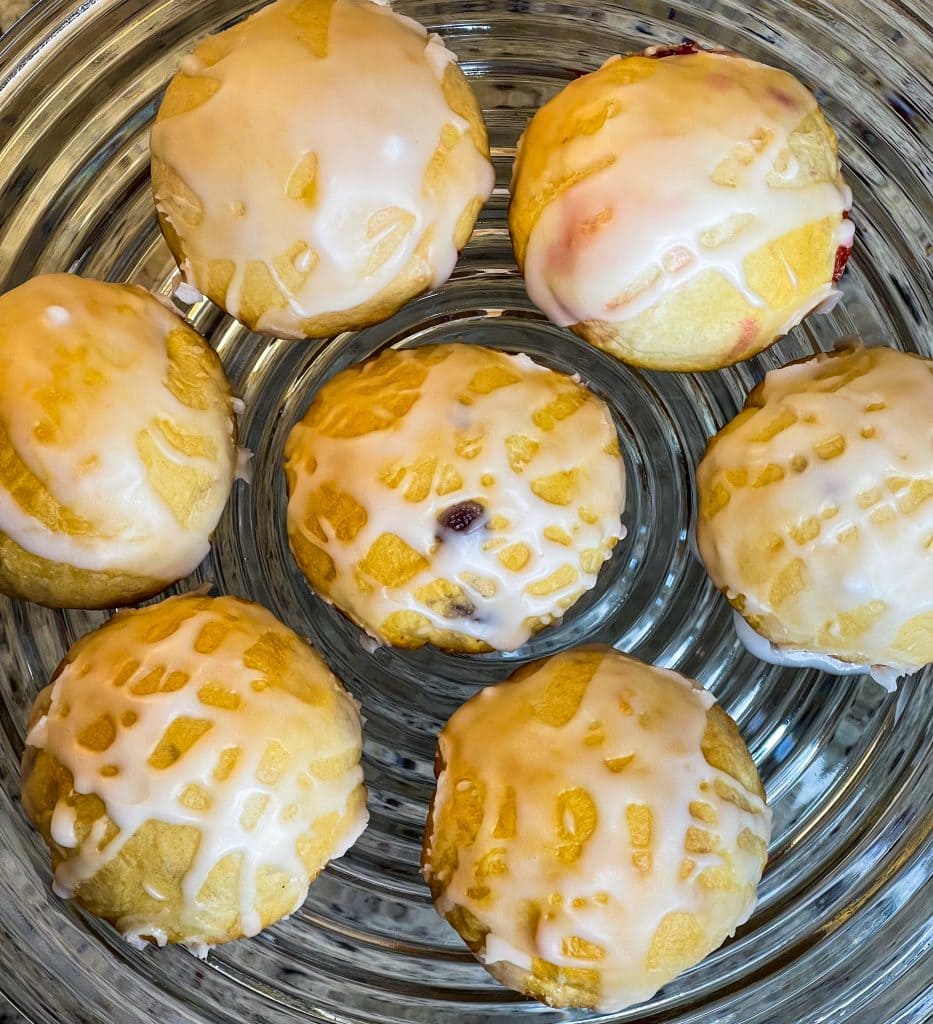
(117, 446)
(816, 512)
(192, 766)
(454, 495)
(318, 165)
(680, 211)
(598, 827)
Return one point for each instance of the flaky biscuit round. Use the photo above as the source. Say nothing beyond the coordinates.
(598, 827)
(318, 165)
(192, 766)
(680, 211)
(816, 508)
(117, 448)
(453, 495)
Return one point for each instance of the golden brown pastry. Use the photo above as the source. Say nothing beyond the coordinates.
(117, 450)
(453, 495)
(318, 165)
(598, 827)
(193, 766)
(680, 211)
(816, 513)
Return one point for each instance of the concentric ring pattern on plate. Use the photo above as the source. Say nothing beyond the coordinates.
(843, 922)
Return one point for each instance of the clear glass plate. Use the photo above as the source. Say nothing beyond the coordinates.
(844, 917)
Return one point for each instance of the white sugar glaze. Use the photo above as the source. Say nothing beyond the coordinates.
(849, 500)
(694, 112)
(585, 442)
(612, 895)
(791, 657)
(327, 727)
(88, 385)
(373, 144)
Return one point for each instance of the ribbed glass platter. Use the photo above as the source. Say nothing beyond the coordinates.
(842, 931)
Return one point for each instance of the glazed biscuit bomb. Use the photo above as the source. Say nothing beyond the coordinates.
(117, 446)
(816, 513)
(318, 165)
(193, 766)
(680, 210)
(453, 495)
(598, 827)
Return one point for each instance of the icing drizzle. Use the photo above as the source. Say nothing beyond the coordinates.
(230, 767)
(775, 654)
(816, 514)
(702, 177)
(540, 778)
(464, 532)
(346, 126)
(88, 390)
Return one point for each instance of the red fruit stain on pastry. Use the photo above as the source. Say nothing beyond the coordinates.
(749, 330)
(673, 50)
(785, 99)
(842, 255)
(581, 220)
(748, 334)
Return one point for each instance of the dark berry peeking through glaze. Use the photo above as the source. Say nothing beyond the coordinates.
(675, 49)
(462, 517)
(842, 255)
(688, 47)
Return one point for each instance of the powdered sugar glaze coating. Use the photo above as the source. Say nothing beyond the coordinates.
(117, 450)
(598, 827)
(318, 165)
(680, 211)
(455, 495)
(193, 766)
(816, 509)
